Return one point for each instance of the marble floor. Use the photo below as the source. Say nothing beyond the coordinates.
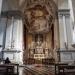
(39, 70)
(36, 70)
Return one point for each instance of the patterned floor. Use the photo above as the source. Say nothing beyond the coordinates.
(36, 70)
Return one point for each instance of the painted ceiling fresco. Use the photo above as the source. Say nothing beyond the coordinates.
(39, 16)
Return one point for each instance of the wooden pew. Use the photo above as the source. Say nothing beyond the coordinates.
(57, 69)
(8, 69)
(66, 69)
(17, 68)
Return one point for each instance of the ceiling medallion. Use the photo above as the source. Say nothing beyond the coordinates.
(38, 19)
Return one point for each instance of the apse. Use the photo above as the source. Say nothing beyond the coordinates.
(39, 20)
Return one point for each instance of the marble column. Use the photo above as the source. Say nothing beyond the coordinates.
(72, 13)
(72, 8)
(65, 32)
(56, 35)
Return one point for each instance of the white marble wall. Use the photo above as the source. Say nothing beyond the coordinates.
(4, 5)
(65, 24)
(73, 5)
(65, 30)
(63, 4)
(0, 5)
(66, 55)
(69, 31)
(16, 52)
(2, 33)
(18, 39)
(61, 32)
(14, 33)
(72, 12)
(2, 29)
(10, 5)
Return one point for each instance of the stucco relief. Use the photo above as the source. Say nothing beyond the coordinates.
(39, 15)
(38, 19)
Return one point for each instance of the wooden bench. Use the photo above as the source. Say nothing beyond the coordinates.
(9, 69)
(57, 69)
(6, 69)
(66, 69)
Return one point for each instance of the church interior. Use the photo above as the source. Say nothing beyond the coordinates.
(37, 37)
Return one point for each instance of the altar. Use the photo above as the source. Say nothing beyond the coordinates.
(39, 56)
(40, 32)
